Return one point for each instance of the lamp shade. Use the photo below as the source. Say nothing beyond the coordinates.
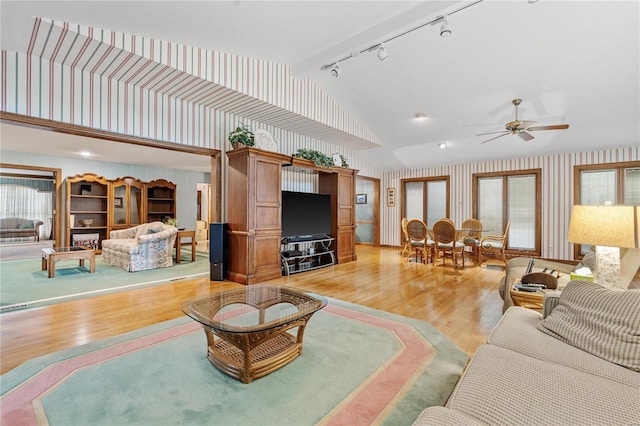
(611, 226)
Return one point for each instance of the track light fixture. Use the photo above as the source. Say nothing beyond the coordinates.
(445, 31)
(382, 52)
(335, 71)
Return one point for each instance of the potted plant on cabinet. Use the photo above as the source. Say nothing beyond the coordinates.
(241, 136)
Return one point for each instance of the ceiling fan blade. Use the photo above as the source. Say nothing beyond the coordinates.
(555, 127)
(492, 133)
(505, 134)
(526, 136)
(526, 124)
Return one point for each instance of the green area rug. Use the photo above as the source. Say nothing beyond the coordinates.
(359, 366)
(23, 283)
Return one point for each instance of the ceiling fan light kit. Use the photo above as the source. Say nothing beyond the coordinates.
(521, 128)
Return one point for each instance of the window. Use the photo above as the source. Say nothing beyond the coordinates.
(617, 183)
(510, 196)
(426, 199)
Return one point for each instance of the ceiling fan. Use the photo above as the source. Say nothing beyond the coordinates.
(522, 127)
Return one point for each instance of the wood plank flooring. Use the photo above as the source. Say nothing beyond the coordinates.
(462, 303)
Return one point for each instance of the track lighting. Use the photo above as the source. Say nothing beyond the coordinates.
(445, 31)
(335, 71)
(382, 52)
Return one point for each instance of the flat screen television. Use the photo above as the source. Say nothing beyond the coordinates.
(305, 215)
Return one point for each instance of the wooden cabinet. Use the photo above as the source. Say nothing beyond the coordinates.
(87, 210)
(127, 203)
(254, 212)
(96, 206)
(341, 184)
(254, 215)
(161, 200)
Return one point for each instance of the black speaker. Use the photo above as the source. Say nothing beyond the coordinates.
(218, 250)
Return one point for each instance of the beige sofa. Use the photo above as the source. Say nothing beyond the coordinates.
(14, 227)
(580, 365)
(142, 247)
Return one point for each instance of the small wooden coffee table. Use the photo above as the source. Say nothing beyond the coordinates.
(50, 256)
(247, 328)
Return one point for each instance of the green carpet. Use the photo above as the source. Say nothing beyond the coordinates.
(359, 366)
(23, 284)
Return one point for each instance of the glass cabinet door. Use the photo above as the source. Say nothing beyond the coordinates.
(119, 205)
(135, 205)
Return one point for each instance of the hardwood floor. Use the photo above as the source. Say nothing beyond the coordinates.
(463, 304)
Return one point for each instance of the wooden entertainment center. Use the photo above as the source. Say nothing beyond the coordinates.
(254, 211)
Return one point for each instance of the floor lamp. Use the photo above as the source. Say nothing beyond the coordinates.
(609, 228)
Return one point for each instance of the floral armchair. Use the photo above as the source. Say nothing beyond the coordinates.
(142, 247)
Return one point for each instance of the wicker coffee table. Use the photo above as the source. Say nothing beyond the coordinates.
(248, 329)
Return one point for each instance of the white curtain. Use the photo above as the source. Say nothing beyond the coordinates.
(27, 203)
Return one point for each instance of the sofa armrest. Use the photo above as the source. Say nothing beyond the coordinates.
(123, 233)
(551, 300)
(158, 236)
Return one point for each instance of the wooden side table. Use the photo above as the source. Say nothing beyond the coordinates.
(178, 244)
(530, 300)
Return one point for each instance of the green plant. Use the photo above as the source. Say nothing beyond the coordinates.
(171, 221)
(242, 135)
(318, 158)
(344, 161)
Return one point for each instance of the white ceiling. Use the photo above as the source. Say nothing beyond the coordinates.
(575, 62)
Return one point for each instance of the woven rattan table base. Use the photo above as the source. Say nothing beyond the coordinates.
(272, 354)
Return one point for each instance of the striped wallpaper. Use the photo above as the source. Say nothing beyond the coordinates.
(162, 90)
(557, 192)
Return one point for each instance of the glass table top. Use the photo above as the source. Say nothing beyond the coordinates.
(253, 308)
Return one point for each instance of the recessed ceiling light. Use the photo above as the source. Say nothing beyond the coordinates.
(442, 145)
(421, 116)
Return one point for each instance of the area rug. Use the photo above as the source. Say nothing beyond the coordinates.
(359, 366)
(23, 283)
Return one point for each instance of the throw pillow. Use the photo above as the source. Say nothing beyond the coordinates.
(155, 229)
(25, 225)
(602, 322)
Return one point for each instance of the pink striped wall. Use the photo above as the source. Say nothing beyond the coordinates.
(557, 192)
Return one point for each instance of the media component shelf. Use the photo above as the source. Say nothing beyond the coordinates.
(300, 255)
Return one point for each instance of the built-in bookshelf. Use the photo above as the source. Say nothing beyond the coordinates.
(96, 206)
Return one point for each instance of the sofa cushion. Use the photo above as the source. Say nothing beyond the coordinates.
(603, 322)
(503, 387)
(25, 225)
(517, 331)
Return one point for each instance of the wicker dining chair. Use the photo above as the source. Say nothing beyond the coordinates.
(472, 236)
(447, 243)
(495, 244)
(406, 248)
(421, 245)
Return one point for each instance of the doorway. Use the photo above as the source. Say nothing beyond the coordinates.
(368, 211)
(32, 193)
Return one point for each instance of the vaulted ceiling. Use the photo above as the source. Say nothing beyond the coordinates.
(575, 62)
